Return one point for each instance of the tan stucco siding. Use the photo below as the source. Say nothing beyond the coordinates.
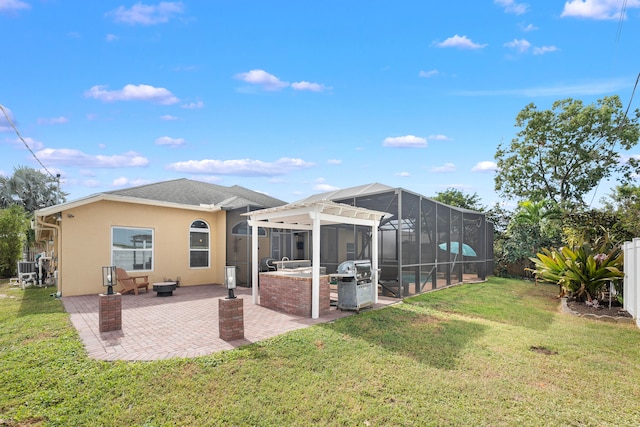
(86, 244)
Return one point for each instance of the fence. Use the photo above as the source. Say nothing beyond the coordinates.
(632, 278)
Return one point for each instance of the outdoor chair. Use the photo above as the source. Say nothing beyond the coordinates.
(131, 283)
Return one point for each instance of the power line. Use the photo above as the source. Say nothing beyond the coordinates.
(623, 12)
(6, 115)
(624, 120)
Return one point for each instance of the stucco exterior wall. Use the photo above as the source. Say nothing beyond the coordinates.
(86, 244)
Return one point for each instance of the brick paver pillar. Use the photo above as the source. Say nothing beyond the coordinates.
(110, 312)
(231, 319)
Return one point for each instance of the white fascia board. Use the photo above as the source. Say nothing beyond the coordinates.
(123, 199)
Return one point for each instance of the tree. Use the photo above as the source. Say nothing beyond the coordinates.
(562, 153)
(454, 197)
(30, 189)
(624, 202)
(13, 228)
(533, 226)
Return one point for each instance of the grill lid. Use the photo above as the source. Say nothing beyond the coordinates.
(360, 269)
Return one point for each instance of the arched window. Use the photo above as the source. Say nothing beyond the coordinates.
(199, 244)
(242, 229)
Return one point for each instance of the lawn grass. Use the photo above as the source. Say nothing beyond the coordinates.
(459, 356)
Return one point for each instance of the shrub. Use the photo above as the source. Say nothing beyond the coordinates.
(582, 270)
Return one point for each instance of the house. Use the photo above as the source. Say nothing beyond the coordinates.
(192, 230)
(180, 228)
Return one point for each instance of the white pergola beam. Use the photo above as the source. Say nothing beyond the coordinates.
(312, 217)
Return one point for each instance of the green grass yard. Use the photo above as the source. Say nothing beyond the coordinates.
(459, 356)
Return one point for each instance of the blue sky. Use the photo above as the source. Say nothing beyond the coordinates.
(292, 98)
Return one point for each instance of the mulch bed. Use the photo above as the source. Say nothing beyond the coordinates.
(616, 310)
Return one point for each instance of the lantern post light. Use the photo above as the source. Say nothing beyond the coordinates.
(230, 280)
(108, 277)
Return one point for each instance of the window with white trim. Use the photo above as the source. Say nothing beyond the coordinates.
(132, 248)
(199, 244)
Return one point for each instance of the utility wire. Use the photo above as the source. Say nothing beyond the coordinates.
(623, 14)
(624, 119)
(6, 115)
(621, 18)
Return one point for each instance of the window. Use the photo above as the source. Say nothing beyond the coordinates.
(242, 229)
(199, 244)
(132, 248)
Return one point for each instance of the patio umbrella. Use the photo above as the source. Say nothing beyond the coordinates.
(455, 249)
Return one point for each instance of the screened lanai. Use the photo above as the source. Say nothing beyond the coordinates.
(423, 244)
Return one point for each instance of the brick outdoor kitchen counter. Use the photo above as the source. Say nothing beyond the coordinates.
(290, 292)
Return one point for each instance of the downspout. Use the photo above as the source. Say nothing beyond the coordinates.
(57, 249)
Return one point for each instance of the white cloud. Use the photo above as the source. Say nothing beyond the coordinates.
(325, 187)
(447, 167)
(11, 5)
(5, 126)
(262, 78)
(91, 116)
(208, 178)
(427, 74)
(439, 137)
(510, 6)
(53, 121)
(166, 140)
(403, 174)
(32, 143)
(544, 49)
(147, 14)
(596, 9)
(594, 87)
(334, 161)
(168, 117)
(485, 166)
(131, 92)
(321, 185)
(313, 87)
(460, 42)
(521, 45)
(126, 182)
(241, 167)
(528, 28)
(69, 156)
(407, 141)
(193, 105)
(111, 37)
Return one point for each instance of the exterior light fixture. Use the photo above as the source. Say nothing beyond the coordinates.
(109, 278)
(230, 280)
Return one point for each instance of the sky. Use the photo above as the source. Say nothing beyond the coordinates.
(292, 98)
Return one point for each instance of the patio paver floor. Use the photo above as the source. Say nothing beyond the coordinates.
(183, 325)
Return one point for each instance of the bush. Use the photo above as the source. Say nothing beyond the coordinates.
(13, 227)
(581, 270)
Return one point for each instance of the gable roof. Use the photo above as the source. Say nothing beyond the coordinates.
(344, 193)
(196, 193)
(178, 193)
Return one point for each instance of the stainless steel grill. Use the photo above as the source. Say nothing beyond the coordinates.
(355, 289)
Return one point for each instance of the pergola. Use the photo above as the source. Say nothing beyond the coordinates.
(310, 216)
